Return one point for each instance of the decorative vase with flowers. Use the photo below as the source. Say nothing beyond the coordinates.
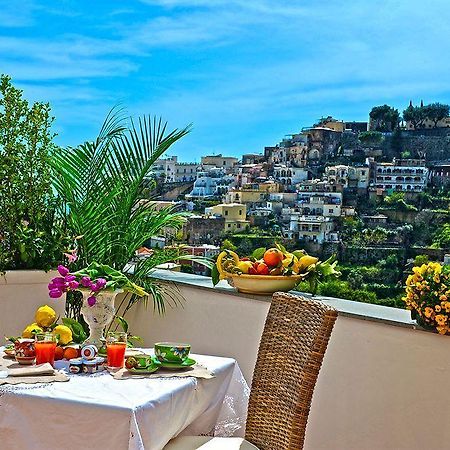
(428, 296)
(99, 284)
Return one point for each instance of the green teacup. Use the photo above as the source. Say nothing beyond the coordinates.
(172, 352)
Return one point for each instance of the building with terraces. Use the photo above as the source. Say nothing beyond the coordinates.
(401, 175)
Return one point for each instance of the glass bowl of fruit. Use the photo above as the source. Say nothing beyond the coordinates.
(270, 270)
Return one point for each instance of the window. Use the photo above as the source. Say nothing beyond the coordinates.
(229, 225)
(239, 225)
(226, 212)
(224, 163)
(240, 212)
(331, 210)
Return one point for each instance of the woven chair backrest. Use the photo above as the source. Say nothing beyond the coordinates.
(290, 355)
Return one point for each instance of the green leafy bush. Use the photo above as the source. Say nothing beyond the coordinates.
(33, 232)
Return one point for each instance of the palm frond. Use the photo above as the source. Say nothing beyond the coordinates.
(100, 183)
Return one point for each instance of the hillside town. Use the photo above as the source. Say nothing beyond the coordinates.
(365, 191)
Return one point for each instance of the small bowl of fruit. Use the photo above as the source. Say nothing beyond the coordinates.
(270, 270)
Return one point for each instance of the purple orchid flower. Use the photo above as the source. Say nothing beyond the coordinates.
(59, 281)
(74, 285)
(63, 270)
(91, 300)
(55, 293)
(71, 256)
(69, 278)
(86, 281)
(101, 283)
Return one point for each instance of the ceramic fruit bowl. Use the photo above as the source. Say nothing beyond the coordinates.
(263, 284)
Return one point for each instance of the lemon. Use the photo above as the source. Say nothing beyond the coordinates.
(30, 330)
(65, 334)
(304, 262)
(244, 266)
(289, 260)
(45, 316)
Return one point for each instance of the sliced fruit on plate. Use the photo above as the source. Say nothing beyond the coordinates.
(131, 362)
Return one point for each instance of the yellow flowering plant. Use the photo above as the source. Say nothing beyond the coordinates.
(428, 296)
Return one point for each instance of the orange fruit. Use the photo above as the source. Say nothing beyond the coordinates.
(273, 257)
(59, 353)
(70, 352)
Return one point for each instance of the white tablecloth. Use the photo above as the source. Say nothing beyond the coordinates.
(96, 411)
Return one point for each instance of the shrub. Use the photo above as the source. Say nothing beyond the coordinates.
(31, 223)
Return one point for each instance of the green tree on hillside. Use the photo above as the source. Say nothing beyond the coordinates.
(385, 118)
(436, 112)
(415, 115)
(442, 236)
(418, 114)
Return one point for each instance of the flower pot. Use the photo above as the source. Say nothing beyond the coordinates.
(99, 316)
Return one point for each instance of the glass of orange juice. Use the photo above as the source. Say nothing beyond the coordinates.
(116, 344)
(45, 345)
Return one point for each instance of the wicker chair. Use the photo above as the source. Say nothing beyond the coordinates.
(290, 355)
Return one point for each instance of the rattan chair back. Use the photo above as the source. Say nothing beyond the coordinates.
(290, 355)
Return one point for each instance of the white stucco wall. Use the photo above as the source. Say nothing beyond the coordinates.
(21, 294)
(380, 387)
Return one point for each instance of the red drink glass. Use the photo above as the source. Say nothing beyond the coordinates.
(45, 345)
(116, 344)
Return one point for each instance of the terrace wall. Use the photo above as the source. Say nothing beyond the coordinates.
(383, 384)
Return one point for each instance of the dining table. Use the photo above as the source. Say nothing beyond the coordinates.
(96, 411)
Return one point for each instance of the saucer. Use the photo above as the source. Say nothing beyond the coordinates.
(188, 362)
(149, 369)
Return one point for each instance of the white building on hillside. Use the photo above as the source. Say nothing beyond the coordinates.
(211, 183)
(316, 229)
(401, 175)
(327, 204)
(287, 175)
(170, 170)
(348, 176)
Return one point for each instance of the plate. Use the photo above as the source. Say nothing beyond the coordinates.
(132, 352)
(148, 369)
(188, 362)
(10, 352)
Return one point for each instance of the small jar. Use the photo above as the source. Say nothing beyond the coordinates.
(89, 366)
(89, 351)
(100, 363)
(75, 365)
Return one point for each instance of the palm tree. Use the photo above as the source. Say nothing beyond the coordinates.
(101, 185)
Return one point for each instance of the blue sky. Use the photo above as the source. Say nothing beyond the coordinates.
(244, 72)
